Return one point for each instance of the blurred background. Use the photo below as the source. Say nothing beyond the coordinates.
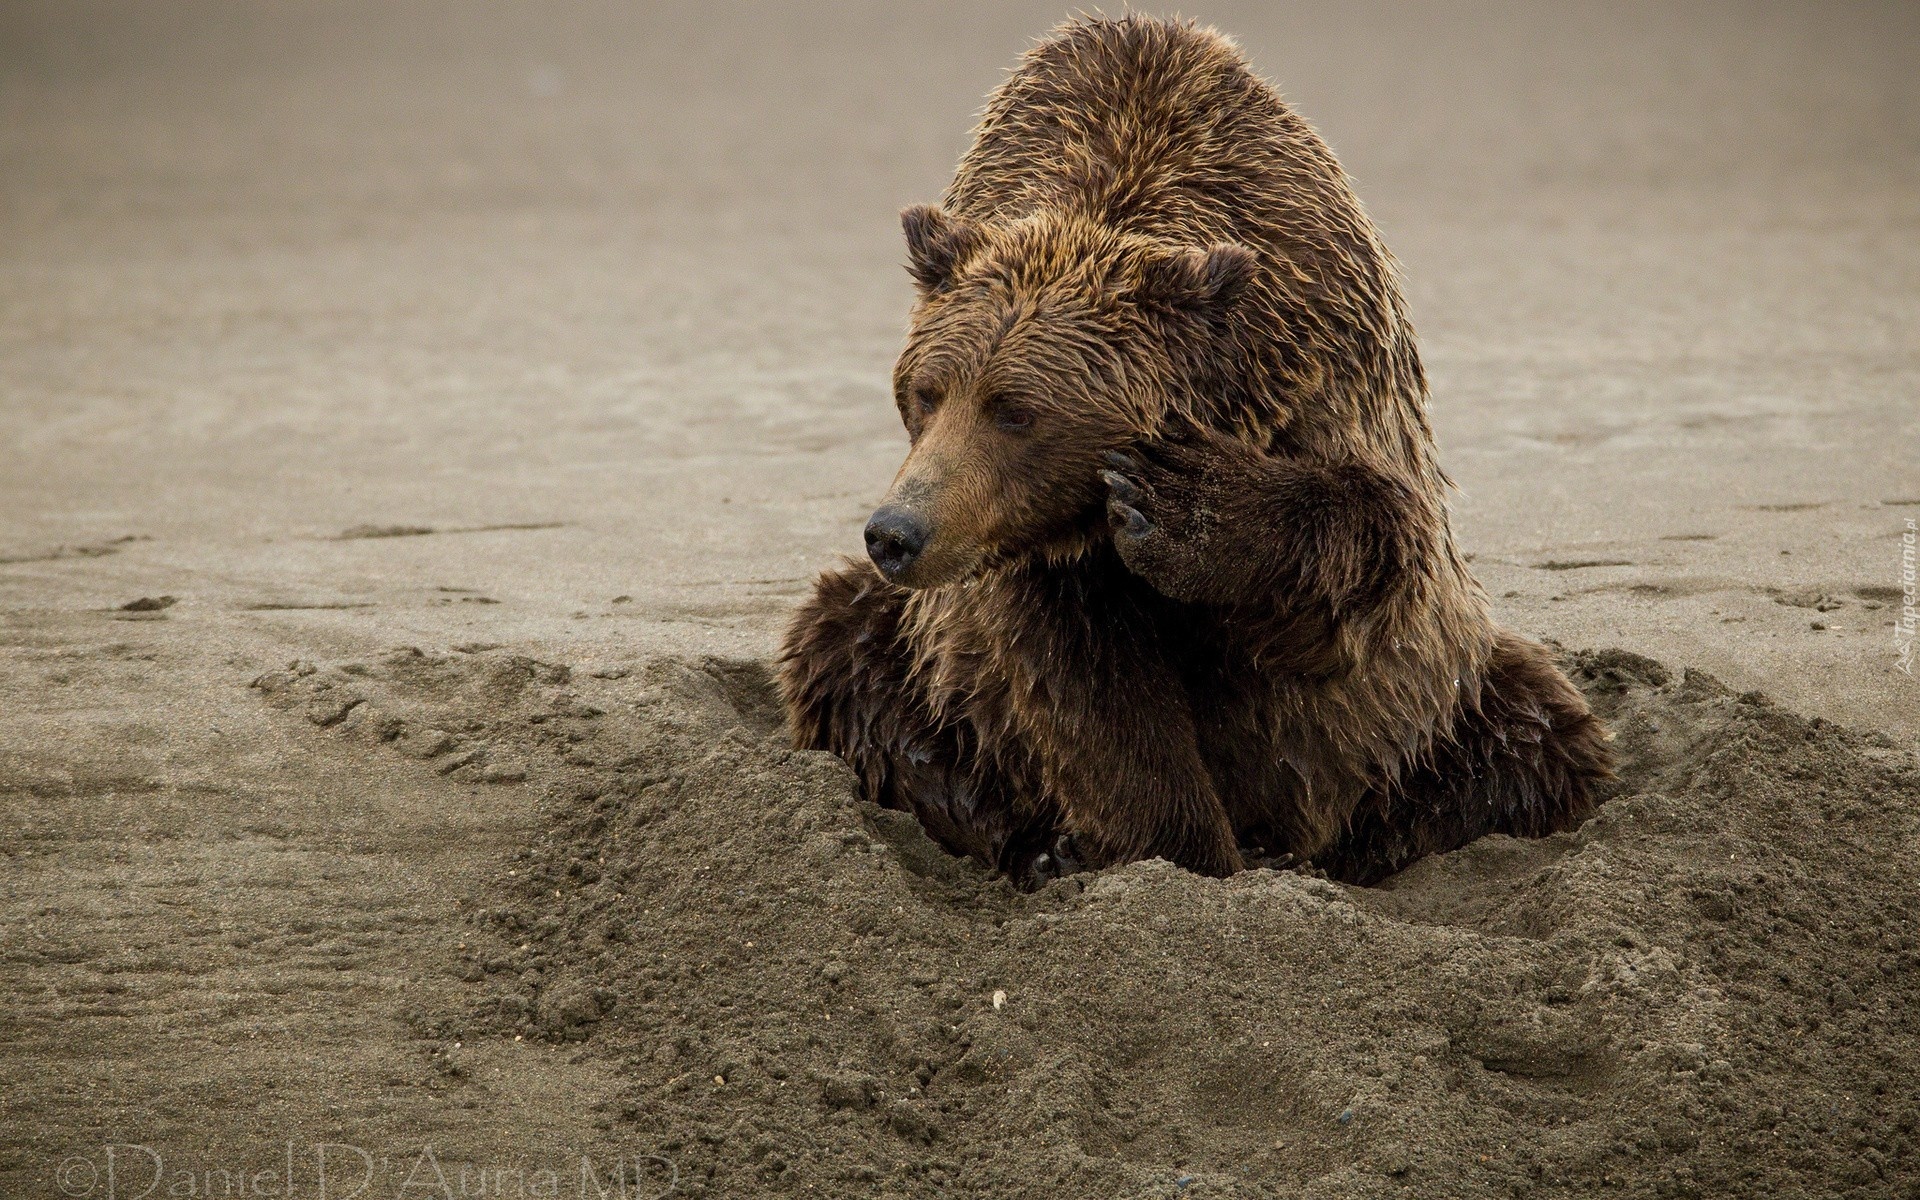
(630, 272)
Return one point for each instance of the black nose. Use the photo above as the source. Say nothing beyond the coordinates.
(895, 537)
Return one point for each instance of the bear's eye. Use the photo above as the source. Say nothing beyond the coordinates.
(1010, 414)
(925, 399)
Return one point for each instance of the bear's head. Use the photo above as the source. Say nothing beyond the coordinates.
(1036, 347)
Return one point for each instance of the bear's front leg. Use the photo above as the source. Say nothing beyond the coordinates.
(1207, 519)
(1106, 719)
(1131, 785)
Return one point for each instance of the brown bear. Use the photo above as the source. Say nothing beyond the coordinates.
(1168, 569)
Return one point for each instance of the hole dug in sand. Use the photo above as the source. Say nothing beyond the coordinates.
(1706, 990)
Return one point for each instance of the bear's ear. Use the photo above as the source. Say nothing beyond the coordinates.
(1197, 278)
(937, 244)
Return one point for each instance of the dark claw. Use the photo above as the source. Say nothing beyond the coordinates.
(1121, 462)
(1136, 522)
(1121, 487)
(1066, 855)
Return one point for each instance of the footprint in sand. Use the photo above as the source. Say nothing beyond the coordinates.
(1581, 564)
(355, 533)
(94, 550)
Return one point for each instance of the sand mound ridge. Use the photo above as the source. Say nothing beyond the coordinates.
(1707, 990)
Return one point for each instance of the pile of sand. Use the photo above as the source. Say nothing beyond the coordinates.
(1708, 990)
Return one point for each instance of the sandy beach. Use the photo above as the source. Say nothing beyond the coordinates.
(421, 419)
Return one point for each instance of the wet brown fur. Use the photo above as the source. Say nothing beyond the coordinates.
(1255, 630)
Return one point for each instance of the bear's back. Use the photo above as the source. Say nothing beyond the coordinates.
(1154, 127)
